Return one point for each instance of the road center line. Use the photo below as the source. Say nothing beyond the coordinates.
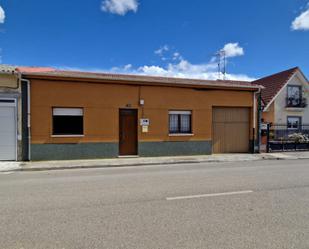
(208, 195)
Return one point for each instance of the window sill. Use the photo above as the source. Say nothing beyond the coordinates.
(68, 136)
(296, 109)
(181, 135)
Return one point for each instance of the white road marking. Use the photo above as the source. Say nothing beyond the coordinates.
(208, 195)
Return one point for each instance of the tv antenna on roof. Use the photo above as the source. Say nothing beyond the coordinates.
(221, 55)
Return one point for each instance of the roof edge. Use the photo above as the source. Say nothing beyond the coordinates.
(293, 71)
(284, 85)
(141, 79)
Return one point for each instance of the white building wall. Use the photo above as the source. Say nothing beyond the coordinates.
(281, 112)
(10, 88)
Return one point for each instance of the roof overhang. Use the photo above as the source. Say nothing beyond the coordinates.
(143, 80)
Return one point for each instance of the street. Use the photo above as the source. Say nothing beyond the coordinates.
(260, 204)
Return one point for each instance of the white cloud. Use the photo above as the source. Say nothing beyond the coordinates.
(167, 53)
(124, 69)
(162, 50)
(128, 67)
(301, 22)
(177, 56)
(185, 69)
(233, 50)
(182, 69)
(2, 15)
(119, 7)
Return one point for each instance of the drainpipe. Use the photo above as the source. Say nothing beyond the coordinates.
(28, 117)
(255, 109)
(259, 120)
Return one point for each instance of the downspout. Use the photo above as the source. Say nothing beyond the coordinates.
(260, 121)
(255, 119)
(28, 117)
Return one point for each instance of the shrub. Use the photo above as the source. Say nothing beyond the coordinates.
(299, 138)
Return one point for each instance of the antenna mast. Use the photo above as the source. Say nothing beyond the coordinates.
(221, 64)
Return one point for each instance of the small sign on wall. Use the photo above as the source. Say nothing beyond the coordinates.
(144, 122)
(264, 126)
(145, 129)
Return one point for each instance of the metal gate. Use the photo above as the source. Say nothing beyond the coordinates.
(286, 138)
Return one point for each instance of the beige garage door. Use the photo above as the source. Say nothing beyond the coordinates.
(231, 130)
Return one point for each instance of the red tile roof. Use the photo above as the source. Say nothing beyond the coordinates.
(272, 84)
(34, 69)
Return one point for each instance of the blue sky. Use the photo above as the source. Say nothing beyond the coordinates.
(159, 37)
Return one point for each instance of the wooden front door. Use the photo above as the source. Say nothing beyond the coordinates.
(127, 132)
(231, 130)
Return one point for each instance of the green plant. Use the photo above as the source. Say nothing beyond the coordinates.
(271, 135)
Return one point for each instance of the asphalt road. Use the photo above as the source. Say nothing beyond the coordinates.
(262, 204)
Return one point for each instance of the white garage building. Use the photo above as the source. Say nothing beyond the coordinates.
(8, 129)
(10, 115)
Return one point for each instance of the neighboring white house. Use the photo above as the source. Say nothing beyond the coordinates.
(285, 98)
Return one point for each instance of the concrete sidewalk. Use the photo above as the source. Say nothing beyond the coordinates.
(144, 161)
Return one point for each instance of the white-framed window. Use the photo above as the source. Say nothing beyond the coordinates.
(180, 122)
(68, 121)
(294, 122)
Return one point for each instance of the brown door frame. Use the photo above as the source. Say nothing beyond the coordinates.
(212, 122)
(135, 111)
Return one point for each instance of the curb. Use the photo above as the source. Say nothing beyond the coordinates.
(99, 166)
(145, 164)
(22, 167)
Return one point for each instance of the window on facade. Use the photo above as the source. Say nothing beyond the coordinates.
(294, 122)
(294, 95)
(180, 122)
(68, 121)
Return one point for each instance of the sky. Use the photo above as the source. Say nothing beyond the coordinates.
(157, 37)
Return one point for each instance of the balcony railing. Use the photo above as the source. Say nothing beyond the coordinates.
(296, 102)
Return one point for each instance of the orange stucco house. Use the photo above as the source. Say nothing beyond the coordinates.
(78, 115)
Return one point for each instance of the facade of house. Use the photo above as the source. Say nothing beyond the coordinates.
(285, 98)
(48, 114)
(78, 115)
